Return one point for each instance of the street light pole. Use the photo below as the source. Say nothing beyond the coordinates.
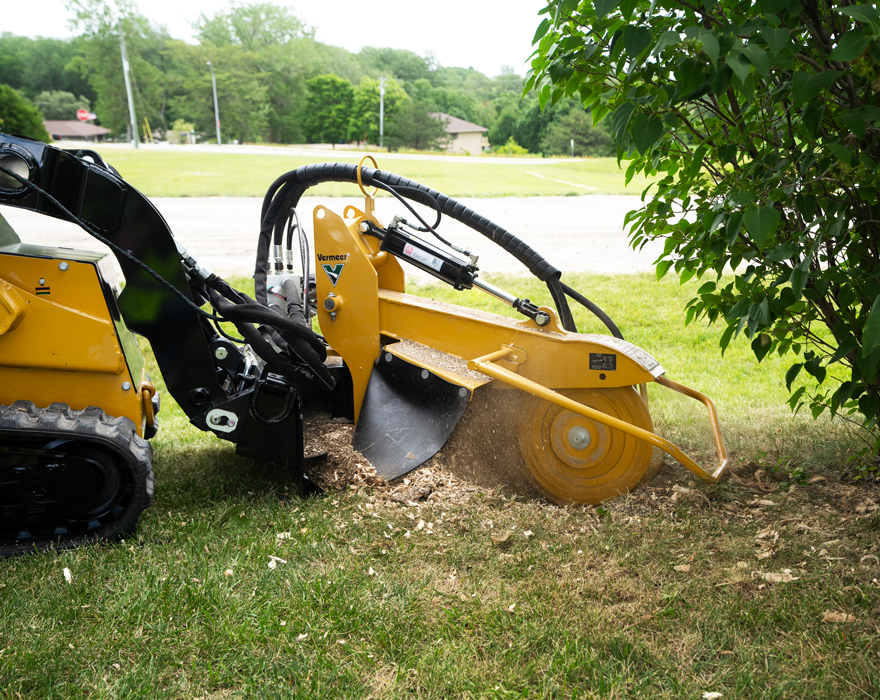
(216, 108)
(125, 74)
(381, 110)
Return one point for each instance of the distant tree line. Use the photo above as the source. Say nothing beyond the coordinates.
(275, 83)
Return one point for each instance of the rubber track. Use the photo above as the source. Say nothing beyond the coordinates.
(91, 426)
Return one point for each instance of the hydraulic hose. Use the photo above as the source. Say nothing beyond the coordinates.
(286, 191)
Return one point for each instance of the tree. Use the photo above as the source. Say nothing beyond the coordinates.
(241, 94)
(761, 121)
(502, 128)
(253, 26)
(328, 109)
(534, 120)
(32, 66)
(512, 148)
(100, 60)
(58, 104)
(577, 125)
(404, 65)
(19, 116)
(414, 128)
(364, 123)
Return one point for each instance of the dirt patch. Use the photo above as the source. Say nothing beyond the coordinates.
(482, 457)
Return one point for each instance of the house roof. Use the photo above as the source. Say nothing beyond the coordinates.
(74, 129)
(454, 125)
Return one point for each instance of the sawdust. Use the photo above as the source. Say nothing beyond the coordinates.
(482, 457)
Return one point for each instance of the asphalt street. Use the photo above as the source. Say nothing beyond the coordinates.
(576, 234)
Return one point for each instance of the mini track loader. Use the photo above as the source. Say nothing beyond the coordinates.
(77, 408)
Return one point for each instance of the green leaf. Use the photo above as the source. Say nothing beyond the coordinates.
(846, 347)
(636, 40)
(761, 346)
(645, 131)
(871, 333)
(761, 312)
(798, 279)
(603, 7)
(855, 120)
(863, 13)
(666, 39)
(758, 58)
(720, 78)
(627, 7)
(812, 116)
(620, 119)
(542, 29)
(842, 152)
(689, 75)
(792, 374)
(662, 268)
(784, 251)
(734, 224)
(804, 86)
(815, 368)
(773, 7)
(727, 152)
(742, 198)
(761, 223)
(706, 288)
(725, 337)
(740, 65)
(851, 46)
(776, 39)
(710, 46)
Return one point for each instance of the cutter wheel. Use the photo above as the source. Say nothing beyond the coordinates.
(69, 477)
(572, 458)
(532, 447)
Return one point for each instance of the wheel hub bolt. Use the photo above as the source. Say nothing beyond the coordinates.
(579, 438)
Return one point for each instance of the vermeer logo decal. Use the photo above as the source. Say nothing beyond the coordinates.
(333, 272)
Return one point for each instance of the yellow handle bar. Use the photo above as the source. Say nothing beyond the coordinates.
(486, 366)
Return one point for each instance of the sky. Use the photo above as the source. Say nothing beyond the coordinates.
(483, 34)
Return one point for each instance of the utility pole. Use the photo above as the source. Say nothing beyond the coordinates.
(216, 108)
(125, 73)
(381, 110)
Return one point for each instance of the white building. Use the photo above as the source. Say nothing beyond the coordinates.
(464, 137)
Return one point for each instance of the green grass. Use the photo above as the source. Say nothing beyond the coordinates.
(589, 605)
(182, 173)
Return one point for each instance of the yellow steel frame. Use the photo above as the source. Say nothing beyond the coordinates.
(361, 301)
(58, 342)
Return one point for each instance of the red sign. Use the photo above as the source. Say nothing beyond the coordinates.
(83, 115)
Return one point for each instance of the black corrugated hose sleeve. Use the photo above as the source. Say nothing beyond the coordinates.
(286, 191)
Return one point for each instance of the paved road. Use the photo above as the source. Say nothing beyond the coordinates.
(575, 234)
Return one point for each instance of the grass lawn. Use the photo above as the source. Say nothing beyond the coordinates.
(181, 173)
(437, 589)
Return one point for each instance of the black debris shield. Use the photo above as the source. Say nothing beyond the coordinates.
(407, 415)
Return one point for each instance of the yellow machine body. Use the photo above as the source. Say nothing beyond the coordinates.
(59, 339)
(585, 386)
